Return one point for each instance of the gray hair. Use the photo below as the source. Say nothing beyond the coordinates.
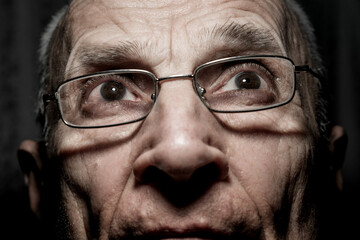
(44, 52)
(306, 29)
(322, 105)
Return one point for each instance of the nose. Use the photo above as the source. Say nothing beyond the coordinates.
(181, 140)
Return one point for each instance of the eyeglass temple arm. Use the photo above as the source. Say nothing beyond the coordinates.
(306, 68)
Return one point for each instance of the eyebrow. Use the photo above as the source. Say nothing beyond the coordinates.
(233, 38)
(99, 56)
(245, 38)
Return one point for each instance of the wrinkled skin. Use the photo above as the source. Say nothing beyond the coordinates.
(183, 172)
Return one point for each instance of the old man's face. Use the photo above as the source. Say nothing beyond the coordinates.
(183, 172)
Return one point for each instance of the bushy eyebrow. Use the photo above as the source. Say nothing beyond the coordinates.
(239, 38)
(245, 38)
(108, 55)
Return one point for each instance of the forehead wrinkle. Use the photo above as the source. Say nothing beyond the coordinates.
(272, 11)
(280, 12)
(237, 38)
(233, 39)
(141, 10)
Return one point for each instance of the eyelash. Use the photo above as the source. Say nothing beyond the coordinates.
(254, 65)
(230, 69)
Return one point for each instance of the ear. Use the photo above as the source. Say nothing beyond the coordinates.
(337, 148)
(30, 154)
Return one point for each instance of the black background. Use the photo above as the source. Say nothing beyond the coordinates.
(337, 26)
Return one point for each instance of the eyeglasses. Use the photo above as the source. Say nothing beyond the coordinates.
(227, 85)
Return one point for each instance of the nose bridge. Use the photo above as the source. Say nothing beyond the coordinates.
(178, 105)
(176, 78)
(178, 133)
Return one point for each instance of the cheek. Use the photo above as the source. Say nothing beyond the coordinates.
(98, 178)
(267, 166)
(101, 175)
(95, 167)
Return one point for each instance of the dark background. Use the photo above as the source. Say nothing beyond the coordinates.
(337, 26)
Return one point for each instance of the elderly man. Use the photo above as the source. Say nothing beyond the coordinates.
(182, 120)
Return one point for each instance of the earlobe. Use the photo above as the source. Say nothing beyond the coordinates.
(30, 160)
(337, 148)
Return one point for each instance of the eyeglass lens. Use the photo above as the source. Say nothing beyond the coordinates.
(107, 99)
(246, 84)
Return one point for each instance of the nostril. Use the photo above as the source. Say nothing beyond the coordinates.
(161, 164)
(154, 175)
(182, 193)
(206, 174)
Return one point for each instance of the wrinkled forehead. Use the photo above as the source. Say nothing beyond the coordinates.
(172, 9)
(184, 31)
(193, 15)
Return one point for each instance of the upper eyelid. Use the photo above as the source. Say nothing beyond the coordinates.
(256, 65)
(97, 81)
(265, 69)
(219, 83)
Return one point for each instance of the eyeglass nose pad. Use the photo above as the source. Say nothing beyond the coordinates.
(153, 97)
(202, 92)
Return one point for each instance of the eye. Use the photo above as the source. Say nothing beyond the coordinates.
(112, 91)
(246, 80)
(246, 77)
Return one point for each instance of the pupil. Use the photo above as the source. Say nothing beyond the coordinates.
(248, 80)
(111, 91)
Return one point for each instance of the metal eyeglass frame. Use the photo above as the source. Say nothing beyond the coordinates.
(54, 97)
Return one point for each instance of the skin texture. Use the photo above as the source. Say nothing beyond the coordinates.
(183, 172)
